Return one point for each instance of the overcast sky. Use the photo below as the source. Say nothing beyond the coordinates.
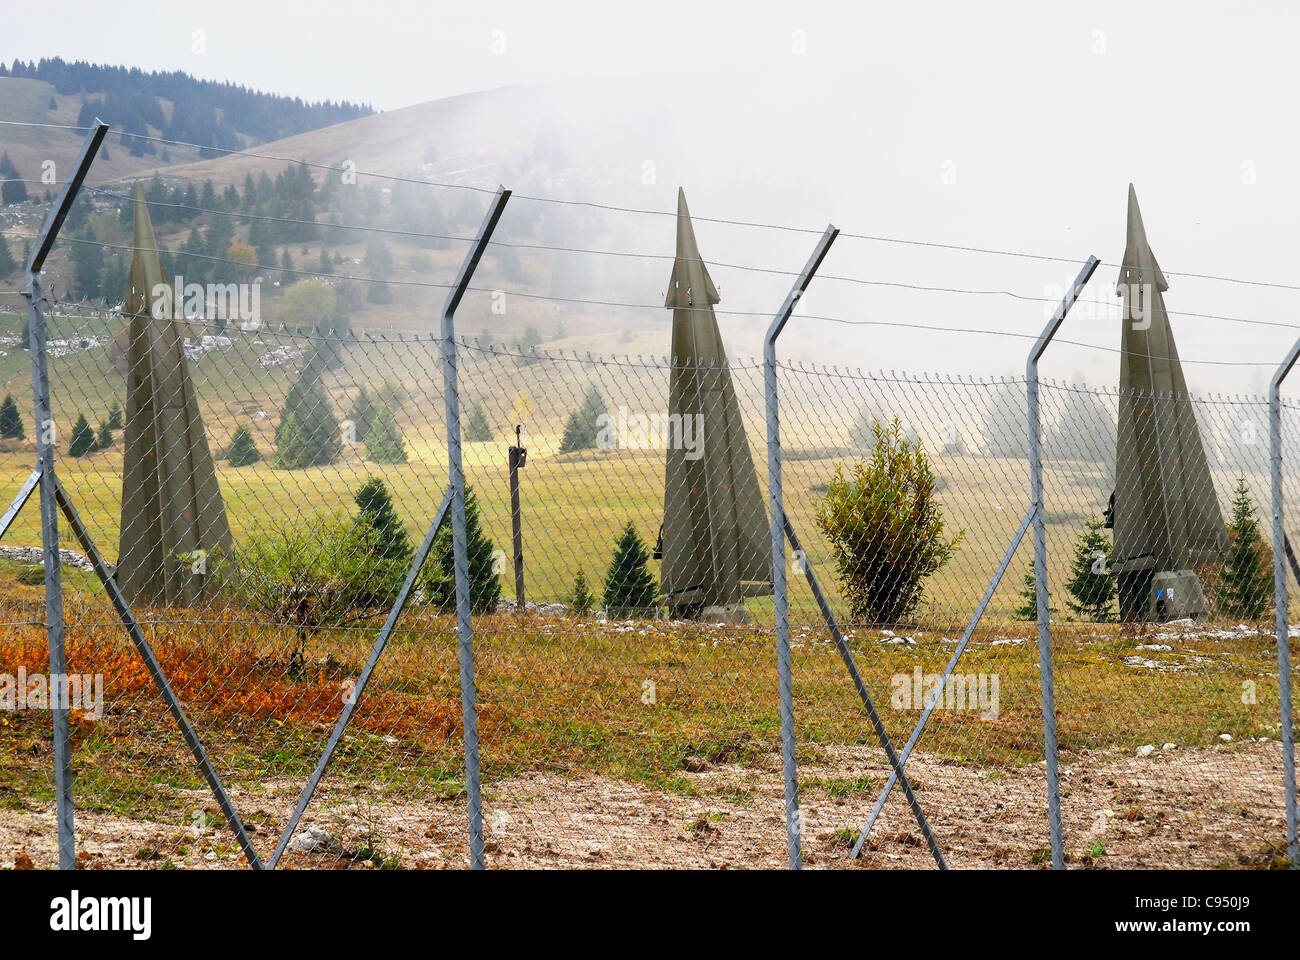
(1013, 126)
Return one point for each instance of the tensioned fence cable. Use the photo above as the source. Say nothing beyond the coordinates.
(844, 321)
(271, 268)
(961, 248)
(776, 271)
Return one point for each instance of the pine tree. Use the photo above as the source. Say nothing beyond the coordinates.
(242, 450)
(384, 441)
(379, 260)
(7, 262)
(1092, 584)
(376, 512)
(291, 451)
(477, 428)
(11, 422)
(104, 439)
(115, 416)
(1028, 609)
(581, 599)
(629, 586)
(362, 415)
(83, 438)
(484, 584)
(584, 423)
(1245, 585)
(388, 545)
(315, 440)
(12, 187)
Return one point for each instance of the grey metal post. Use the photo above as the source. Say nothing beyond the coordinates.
(460, 549)
(1280, 601)
(777, 512)
(1045, 677)
(518, 456)
(43, 421)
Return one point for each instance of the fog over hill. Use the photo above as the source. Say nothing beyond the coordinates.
(887, 131)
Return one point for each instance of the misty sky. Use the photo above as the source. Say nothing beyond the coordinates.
(1010, 126)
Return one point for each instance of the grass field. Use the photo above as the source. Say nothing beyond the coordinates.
(574, 752)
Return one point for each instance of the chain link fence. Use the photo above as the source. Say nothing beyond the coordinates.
(617, 726)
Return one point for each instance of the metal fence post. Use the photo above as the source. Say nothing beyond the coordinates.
(1045, 678)
(517, 457)
(1280, 601)
(45, 438)
(464, 628)
(779, 584)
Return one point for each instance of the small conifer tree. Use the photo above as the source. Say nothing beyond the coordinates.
(83, 438)
(386, 542)
(1092, 584)
(362, 415)
(629, 585)
(1245, 585)
(384, 442)
(1028, 609)
(242, 450)
(584, 423)
(11, 422)
(581, 599)
(477, 428)
(484, 583)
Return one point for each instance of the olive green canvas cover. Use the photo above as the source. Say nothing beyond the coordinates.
(716, 546)
(1166, 513)
(174, 528)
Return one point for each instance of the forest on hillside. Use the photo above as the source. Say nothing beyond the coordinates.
(215, 115)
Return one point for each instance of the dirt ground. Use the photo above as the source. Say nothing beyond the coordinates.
(1217, 807)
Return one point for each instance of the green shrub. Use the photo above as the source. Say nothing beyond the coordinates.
(310, 574)
(885, 527)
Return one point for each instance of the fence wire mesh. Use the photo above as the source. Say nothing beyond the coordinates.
(620, 727)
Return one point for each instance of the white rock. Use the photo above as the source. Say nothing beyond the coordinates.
(312, 840)
(1170, 746)
(1225, 737)
(1146, 750)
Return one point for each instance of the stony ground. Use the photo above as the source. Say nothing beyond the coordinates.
(1219, 807)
